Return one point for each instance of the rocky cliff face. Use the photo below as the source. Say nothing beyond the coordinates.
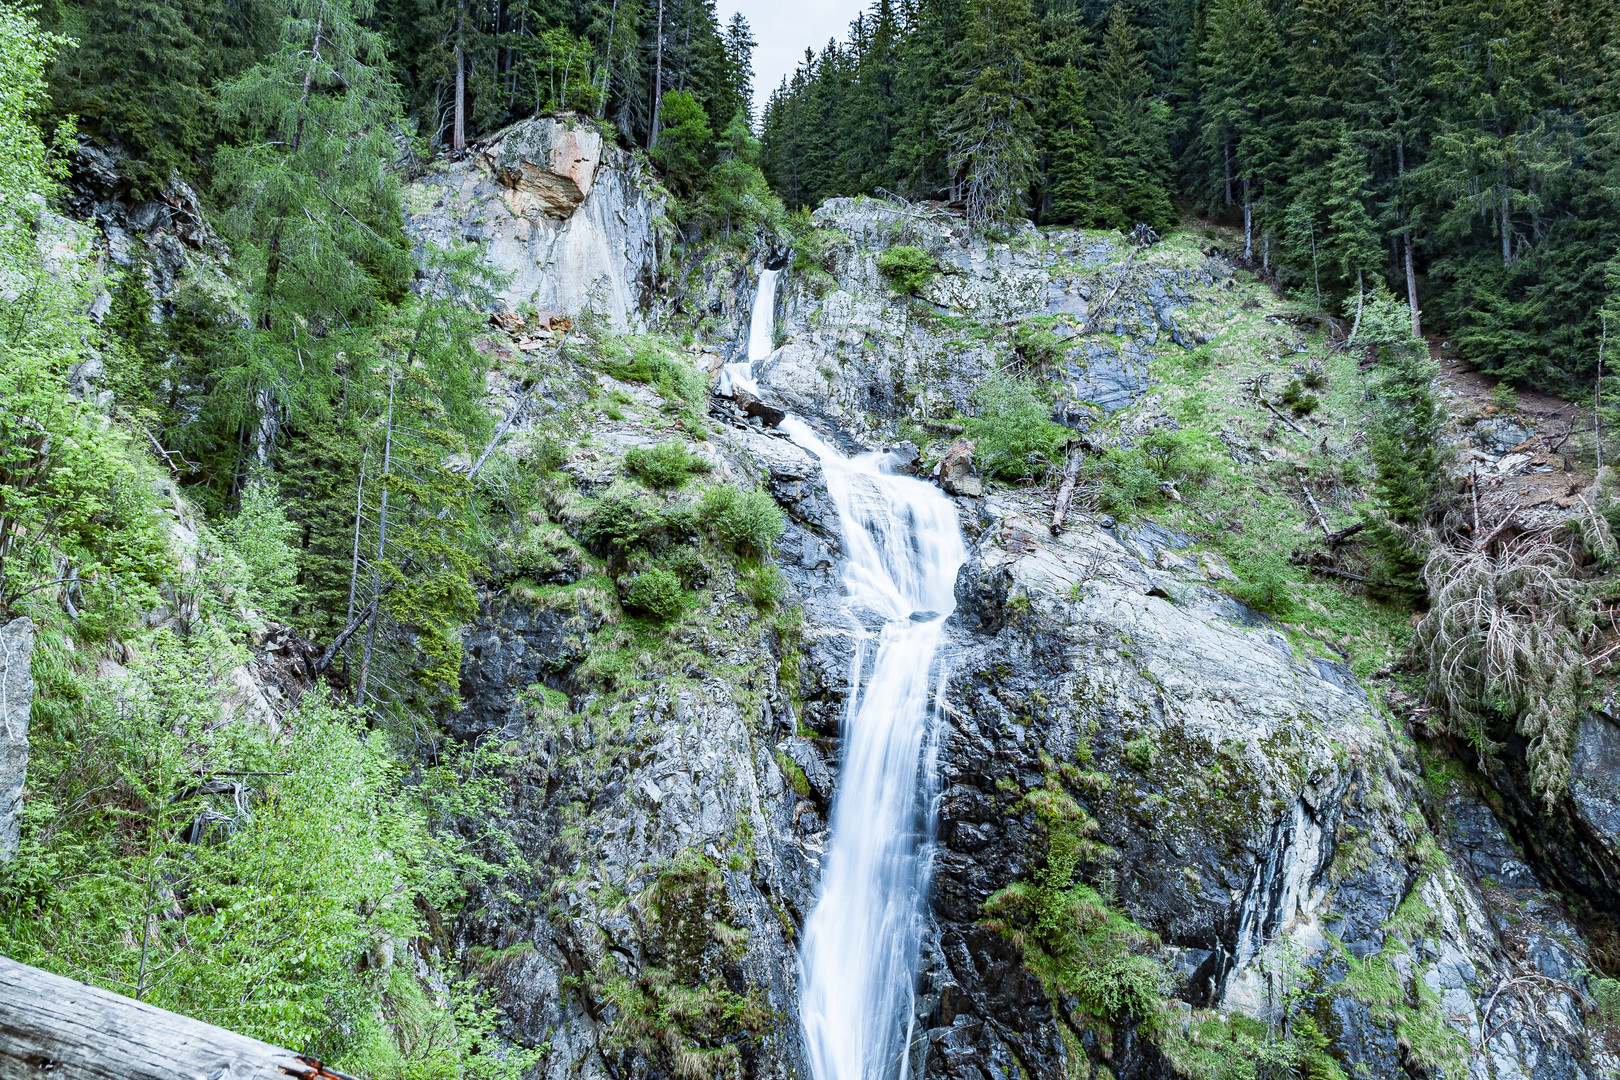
(16, 696)
(566, 221)
(1256, 824)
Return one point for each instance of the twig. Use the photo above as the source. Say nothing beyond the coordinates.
(1280, 416)
(512, 416)
(1321, 518)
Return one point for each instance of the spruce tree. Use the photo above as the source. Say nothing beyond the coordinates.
(314, 217)
(989, 128)
(1073, 148)
(1133, 156)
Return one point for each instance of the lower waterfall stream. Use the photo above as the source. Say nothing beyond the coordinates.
(859, 952)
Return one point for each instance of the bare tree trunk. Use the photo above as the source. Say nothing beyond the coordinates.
(1411, 287)
(1507, 232)
(1265, 253)
(658, 79)
(354, 556)
(607, 62)
(1357, 324)
(1248, 224)
(458, 132)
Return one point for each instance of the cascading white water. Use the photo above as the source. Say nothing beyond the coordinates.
(761, 324)
(858, 957)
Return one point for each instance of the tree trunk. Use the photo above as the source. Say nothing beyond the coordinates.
(72, 1031)
(1411, 288)
(1355, 326)
(1226, 167)
(1265, 253)
(458, 130)
(658, 79)
(1248, 224)
(1507, 232)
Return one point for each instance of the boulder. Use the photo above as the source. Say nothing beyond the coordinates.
(550, 163)
(955, 470)
(752, 406)
(16, 695)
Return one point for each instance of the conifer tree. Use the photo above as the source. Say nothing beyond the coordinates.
(1133, 157)
(1238, 138)
(1073, 148)
(314, 216)
(1350, 236)
(989, 127)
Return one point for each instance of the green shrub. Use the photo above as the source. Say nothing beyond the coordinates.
(656, 593)
(645, 360)
(666, 465)
(763, 583)
(1126, 480)
(620, 523)
(1013, 433)
(687, 563)
(748, 522)
(1037, 347)
(262, 537)
(908, 269)
(1296, 397)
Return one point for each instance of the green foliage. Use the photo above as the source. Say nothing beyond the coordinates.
(1299, 399)
(1405, 441)
(146, 78)
(1133, 159)
(665, 465)
(30, 165)
(656, 593)
(685, 145)
(907, 268)
(1070, 936)
(989, 128)
(262, 537)
(747, 522)
(763, 583)
(683, 387)
(1128, 480)
(1013, 433)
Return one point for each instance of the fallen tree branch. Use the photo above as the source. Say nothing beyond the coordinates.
(1310, 500)
(1280, 416)
(512, 416)
(1096, 312)
(1071, 473)
(1338, 538)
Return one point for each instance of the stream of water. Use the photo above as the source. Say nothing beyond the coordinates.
(859, 953)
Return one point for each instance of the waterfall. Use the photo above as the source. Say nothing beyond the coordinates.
(761, 325)
(858, 958)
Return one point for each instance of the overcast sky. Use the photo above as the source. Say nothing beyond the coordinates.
(783, 28)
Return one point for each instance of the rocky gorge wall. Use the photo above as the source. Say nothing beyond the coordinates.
(1284, 856)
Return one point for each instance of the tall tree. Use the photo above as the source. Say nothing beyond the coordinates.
(989, 128)
(1133, 156)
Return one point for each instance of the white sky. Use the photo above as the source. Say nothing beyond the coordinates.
(783, 28)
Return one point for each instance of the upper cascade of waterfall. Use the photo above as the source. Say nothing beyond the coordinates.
(761, 326)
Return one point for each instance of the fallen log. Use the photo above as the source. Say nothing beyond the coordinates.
(1071, 473)
(51, 1026)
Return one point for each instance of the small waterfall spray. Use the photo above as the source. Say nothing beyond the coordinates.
(858, 958)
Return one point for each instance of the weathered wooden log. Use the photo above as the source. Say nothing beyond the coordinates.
(51, 1026)
(1071, 473)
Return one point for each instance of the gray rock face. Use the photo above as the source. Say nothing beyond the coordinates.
(568, 221)
(16, 696)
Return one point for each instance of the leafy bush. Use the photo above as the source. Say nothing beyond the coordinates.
(763, 583)
(748, 522)
(1037, 347)
(1013, 433)
(1126, 480)
(658, 593)
(620, 523)
(666, 465)
(907, 268)
(262, 537)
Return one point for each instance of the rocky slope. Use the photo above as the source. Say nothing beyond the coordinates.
(1267, 829)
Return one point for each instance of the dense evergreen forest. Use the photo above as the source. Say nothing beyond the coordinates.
(1465, 152)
